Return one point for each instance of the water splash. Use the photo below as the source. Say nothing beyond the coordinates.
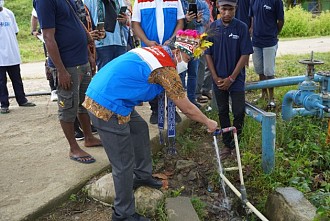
(225, 203)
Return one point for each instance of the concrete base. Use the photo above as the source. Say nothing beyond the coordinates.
(180, 209)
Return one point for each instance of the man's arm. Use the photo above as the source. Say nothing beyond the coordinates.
(64, 78)
(179, 26)
(280, 24)
(251, 27)
(195, 114)
(136, 26)
(211, 67)
(34, 26)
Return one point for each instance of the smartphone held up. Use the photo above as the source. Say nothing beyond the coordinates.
(122, 10)
(100, 26)
(192, 8)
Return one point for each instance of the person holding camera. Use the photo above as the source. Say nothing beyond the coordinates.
(197, 17)
(156, 23)
(112, 17)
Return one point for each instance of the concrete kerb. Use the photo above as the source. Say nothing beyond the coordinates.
(62, 197)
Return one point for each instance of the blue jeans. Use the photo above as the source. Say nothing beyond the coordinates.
(238, 109)
(106, 54)
(192, 79)
(264, 60)
(14, 73)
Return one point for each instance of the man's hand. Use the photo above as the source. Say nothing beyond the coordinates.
(211, 126)
(199, 17)
(94, 34)
(190, 16)
(92, 63)
(218, 81)
(64, 79)
(122, 18)
(167, 42)
(222, 84)
(151, 43)
(225, 84)
(35, 33)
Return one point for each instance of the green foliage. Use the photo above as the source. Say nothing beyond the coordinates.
(176, 192)
(296, 22)
(300, 23)
(161, 214)
(302, 157)
(199, 207)
(188, 141)
(73, 198)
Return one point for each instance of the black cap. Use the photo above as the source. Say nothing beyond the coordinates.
(227, 2)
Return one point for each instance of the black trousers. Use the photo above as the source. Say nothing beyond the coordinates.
(238, 109)
(14, 73)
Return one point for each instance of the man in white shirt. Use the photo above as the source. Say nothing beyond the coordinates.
(156, 22)
(10, 60)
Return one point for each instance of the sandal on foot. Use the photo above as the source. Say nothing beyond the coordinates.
(27, 104)
(202, 99)
(84, 159)
(4, 110)
(225, 153)
(207, 94)
(271, 105)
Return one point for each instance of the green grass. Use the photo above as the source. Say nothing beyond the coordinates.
(302, 156)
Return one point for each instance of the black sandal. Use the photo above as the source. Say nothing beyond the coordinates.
(271, 105)
(4, 110)
(202, 99)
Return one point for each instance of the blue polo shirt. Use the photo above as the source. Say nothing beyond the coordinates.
(229, 44)
(70, 35)
(265, 15)
(242, 11)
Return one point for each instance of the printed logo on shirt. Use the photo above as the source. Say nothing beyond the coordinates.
(267, 7)
(4, 24)
(170, 4)
(233, 36)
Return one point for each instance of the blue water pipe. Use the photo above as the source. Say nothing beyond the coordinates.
(268, 134)
(312, 99)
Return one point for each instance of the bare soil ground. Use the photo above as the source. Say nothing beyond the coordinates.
(201, 182)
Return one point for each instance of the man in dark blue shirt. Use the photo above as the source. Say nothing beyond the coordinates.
(226, 59)
(242, 12)
(66, 42)
(267, 23)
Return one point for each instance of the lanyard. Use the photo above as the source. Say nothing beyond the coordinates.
(170, 122)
